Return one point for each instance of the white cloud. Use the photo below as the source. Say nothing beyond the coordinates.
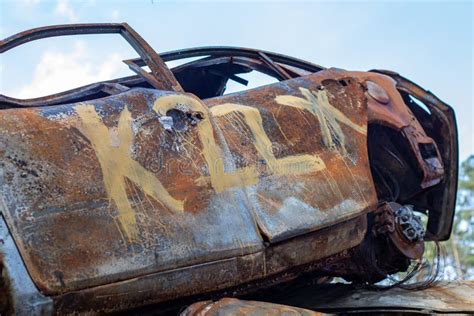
(59, 71)
(64, 9)
(115, 15)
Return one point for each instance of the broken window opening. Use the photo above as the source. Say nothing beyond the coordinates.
(255, 79)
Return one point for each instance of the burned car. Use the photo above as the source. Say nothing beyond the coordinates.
(155, 187)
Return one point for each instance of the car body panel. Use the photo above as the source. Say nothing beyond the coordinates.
(89, 203)
(158, 188)
(166, 290)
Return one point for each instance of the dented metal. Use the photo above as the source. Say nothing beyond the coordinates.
(128, 182)
(166, 188)
(229, 306)
(334, 299)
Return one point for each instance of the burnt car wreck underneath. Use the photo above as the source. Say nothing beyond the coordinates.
(155, 187)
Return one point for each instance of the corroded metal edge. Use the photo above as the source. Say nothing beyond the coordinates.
(232, 306)
(219, 278)
(160, 77)
(25, 299)
(91, 243)
(162, 286)
(440, 223)
(453, 298)
(446, 297)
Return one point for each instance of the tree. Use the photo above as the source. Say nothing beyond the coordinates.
(463, 228)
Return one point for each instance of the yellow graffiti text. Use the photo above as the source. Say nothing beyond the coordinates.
(298, 164)
(317, 103)
(220, 180)
(116, 165)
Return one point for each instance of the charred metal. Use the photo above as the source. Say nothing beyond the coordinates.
(157, 187)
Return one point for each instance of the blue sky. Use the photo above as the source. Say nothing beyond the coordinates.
(430, 43)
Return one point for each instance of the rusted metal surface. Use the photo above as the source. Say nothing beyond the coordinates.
(160, 77)
(163, 286)
(440, 123)
(333, 299)
(18, 294)
(338, 148)
(402, 227)
(243, 56)
(388, 108)
(131, 192)
(384, 250)
(189, 195)
(308, 249)
(448, 297)
(230, 306)
(283, 262)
